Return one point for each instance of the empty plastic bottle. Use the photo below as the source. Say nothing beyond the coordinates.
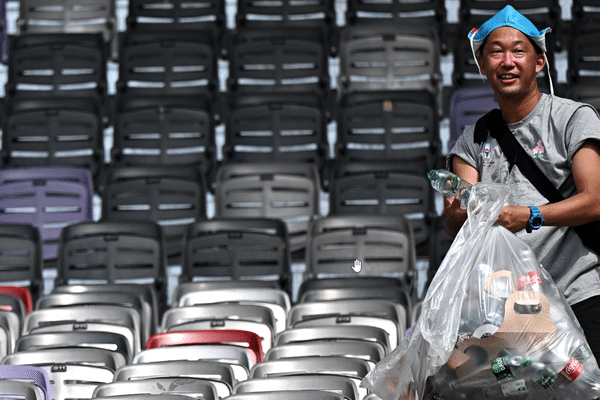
(450, 185)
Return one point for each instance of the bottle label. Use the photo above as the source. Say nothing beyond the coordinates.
(514, 388)
(583, 353)
(546, 379)
(501, 369)
(572, 370)
(530, 278)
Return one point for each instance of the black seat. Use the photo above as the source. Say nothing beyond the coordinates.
(53, 131)
(174, 197)
(398, 126)
(287, 191)
(276, 127)
(236, 249)
(129, 253)
(21, 257)
(71, 65)
(164, 131)
(410, 14)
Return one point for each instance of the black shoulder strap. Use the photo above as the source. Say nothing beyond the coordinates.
(493, 123)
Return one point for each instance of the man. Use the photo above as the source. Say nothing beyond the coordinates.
(563, 137)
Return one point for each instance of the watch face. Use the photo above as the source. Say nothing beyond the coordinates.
(537, 221)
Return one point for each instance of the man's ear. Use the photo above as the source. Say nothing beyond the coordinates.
(480, 62)
(540, 63)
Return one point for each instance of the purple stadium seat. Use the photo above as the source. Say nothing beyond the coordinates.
(38, 376)
(466, 106)
(48, 198)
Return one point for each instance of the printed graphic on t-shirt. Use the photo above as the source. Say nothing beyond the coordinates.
(487, 154)
(539, 150)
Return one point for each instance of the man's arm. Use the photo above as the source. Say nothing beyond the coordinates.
(576, 210)
(455, 215)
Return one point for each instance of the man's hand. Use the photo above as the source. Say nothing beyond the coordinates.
(455, 216)
(514, 218)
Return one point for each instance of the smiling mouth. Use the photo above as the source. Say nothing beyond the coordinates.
(507, 77)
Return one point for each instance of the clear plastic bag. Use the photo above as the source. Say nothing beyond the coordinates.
(493, 324)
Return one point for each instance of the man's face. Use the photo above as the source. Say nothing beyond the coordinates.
(510, 63)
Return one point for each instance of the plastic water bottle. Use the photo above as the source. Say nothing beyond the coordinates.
(450, 185)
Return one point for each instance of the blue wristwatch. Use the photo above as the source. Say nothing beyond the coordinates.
(535, 221)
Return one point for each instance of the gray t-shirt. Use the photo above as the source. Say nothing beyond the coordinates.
(552, 133)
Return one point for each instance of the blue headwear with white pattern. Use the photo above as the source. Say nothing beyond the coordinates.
(508, 16)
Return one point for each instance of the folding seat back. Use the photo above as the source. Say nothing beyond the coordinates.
(390, 61)
(333, 333)
(65, 340)
(173, 196)
(401, 13)
(121, 320)
(287, 191)
(28, 373)
(165, 63)
(21, 260)
(386, 314)
(193, 387)
(369, 189)
(585, 16)
(333, 383)
(238, 358)
(237, 248)
(59, 65)
(248, 340)
(165, 132)
(72, 381)
(249, 317)
(53, 132)
(70, 16)
(19, 390)
(371, 352)
(279, 64)
(344, 366)
(198, 15)
(277, 300)
(285, 14)
(264, 128)
(219, 374)
(90, 356)
(389, 126)
(124, 257)
(48, 198)
(583, 63)
(289, 395)
(467, 105)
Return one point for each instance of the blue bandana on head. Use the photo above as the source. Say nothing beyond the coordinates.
(508, 16)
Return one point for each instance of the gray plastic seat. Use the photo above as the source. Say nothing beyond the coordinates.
(120, 320)
(286, 191)
(275, 299)
(334, 383)
(11, 325)
(101, 358)
(345, 366)
(249, 317)
(330, 333)
(237, 357)
(116, 342)
(131, 303)
(192, 387)
(288, 395)
(76, 381)
(219, 373)
(371, 352)
(386, 314)
(19, 390)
